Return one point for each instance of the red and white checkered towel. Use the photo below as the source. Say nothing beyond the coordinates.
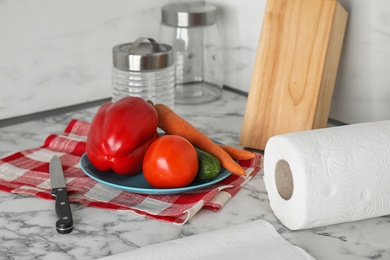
(27, 172)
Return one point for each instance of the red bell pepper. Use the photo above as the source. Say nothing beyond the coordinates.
(120, 134)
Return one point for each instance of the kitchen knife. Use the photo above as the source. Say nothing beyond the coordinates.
(64, 224)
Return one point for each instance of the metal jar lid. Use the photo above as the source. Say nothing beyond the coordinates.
(142, 56)
(188, 14)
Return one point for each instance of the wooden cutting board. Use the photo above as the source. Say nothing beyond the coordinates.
(295, 69)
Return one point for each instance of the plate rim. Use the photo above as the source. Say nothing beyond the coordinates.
(151, 191)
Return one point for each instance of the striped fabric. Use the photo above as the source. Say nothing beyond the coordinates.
(27, 172)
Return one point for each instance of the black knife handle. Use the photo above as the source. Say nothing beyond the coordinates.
(64, 225)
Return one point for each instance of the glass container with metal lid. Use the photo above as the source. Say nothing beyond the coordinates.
(191, 29)
(144, 69)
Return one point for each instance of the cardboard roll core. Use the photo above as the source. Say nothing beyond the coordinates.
(284, 179)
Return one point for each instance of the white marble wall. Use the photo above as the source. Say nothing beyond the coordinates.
(57, 53)
(240, 25)
(362, 91)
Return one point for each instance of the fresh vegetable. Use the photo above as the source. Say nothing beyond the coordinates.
(237, 153)
(170, 162)
(172, 123)
(209, 166)
(120, 134)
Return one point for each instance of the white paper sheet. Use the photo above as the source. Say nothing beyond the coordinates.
(254, 240)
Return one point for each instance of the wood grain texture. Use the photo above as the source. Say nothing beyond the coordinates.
(295, 69)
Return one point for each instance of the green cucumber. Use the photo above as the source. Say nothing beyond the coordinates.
(209, 166)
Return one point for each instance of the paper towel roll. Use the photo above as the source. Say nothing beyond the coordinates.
(328, 176)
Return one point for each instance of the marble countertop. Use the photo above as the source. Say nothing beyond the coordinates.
(27, 223)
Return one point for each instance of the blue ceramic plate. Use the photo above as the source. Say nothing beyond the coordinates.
(137, 183)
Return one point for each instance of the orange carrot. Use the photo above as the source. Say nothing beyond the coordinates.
(172, 123)
(237, 153)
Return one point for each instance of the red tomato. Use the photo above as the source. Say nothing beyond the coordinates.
(170, 162)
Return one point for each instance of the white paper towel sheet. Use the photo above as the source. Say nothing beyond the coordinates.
(328, 176)
(254, 240)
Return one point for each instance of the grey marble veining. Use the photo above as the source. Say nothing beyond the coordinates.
(27, 228)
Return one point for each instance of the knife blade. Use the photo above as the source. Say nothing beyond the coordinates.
(64, 223)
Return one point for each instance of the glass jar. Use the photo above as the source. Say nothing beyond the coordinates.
(144, 69)
(191, 29)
